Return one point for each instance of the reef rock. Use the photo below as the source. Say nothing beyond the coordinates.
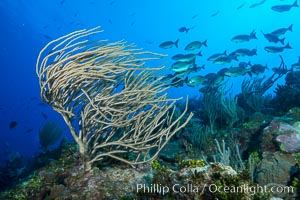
(279, 135)
(275, 167)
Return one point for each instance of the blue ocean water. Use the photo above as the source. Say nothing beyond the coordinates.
(27, 26)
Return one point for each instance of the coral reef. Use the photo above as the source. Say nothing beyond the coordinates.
(290, 89)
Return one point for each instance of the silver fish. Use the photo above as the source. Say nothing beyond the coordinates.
(186, 57)
(169, 44)
(237, 71)
(195, 45)
(282, 31)
(181, 66)
(275, 49)
(185, 29)
(273, 38)
(258, 69)
(284, 8)
(244, 38)
(216, 56)
(225, 59)
(245, 52)
(195, 81)
(257, 4)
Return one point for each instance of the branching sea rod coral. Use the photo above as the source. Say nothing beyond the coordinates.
(113, 105)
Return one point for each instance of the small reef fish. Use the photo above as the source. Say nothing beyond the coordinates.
(284, 8)
(13, 124)
(181, 66)
(216, 56)
(44, 115)
(189, 70)
(222, 71)
(213, 79)
(237, 71)
(185, 29)
(244, 38)
(245, 52)
(275, 49)
(195, 45)
(257, 4)
(245, 64)
(258, 69)
(178, 82)
(282, 31)
(184, 73)
(195, 81)
(241, 6)
(169, 44)
(215, 14)
(273, 38)
(186, 57)
(225, 59)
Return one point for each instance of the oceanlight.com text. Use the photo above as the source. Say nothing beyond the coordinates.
(212, 188)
